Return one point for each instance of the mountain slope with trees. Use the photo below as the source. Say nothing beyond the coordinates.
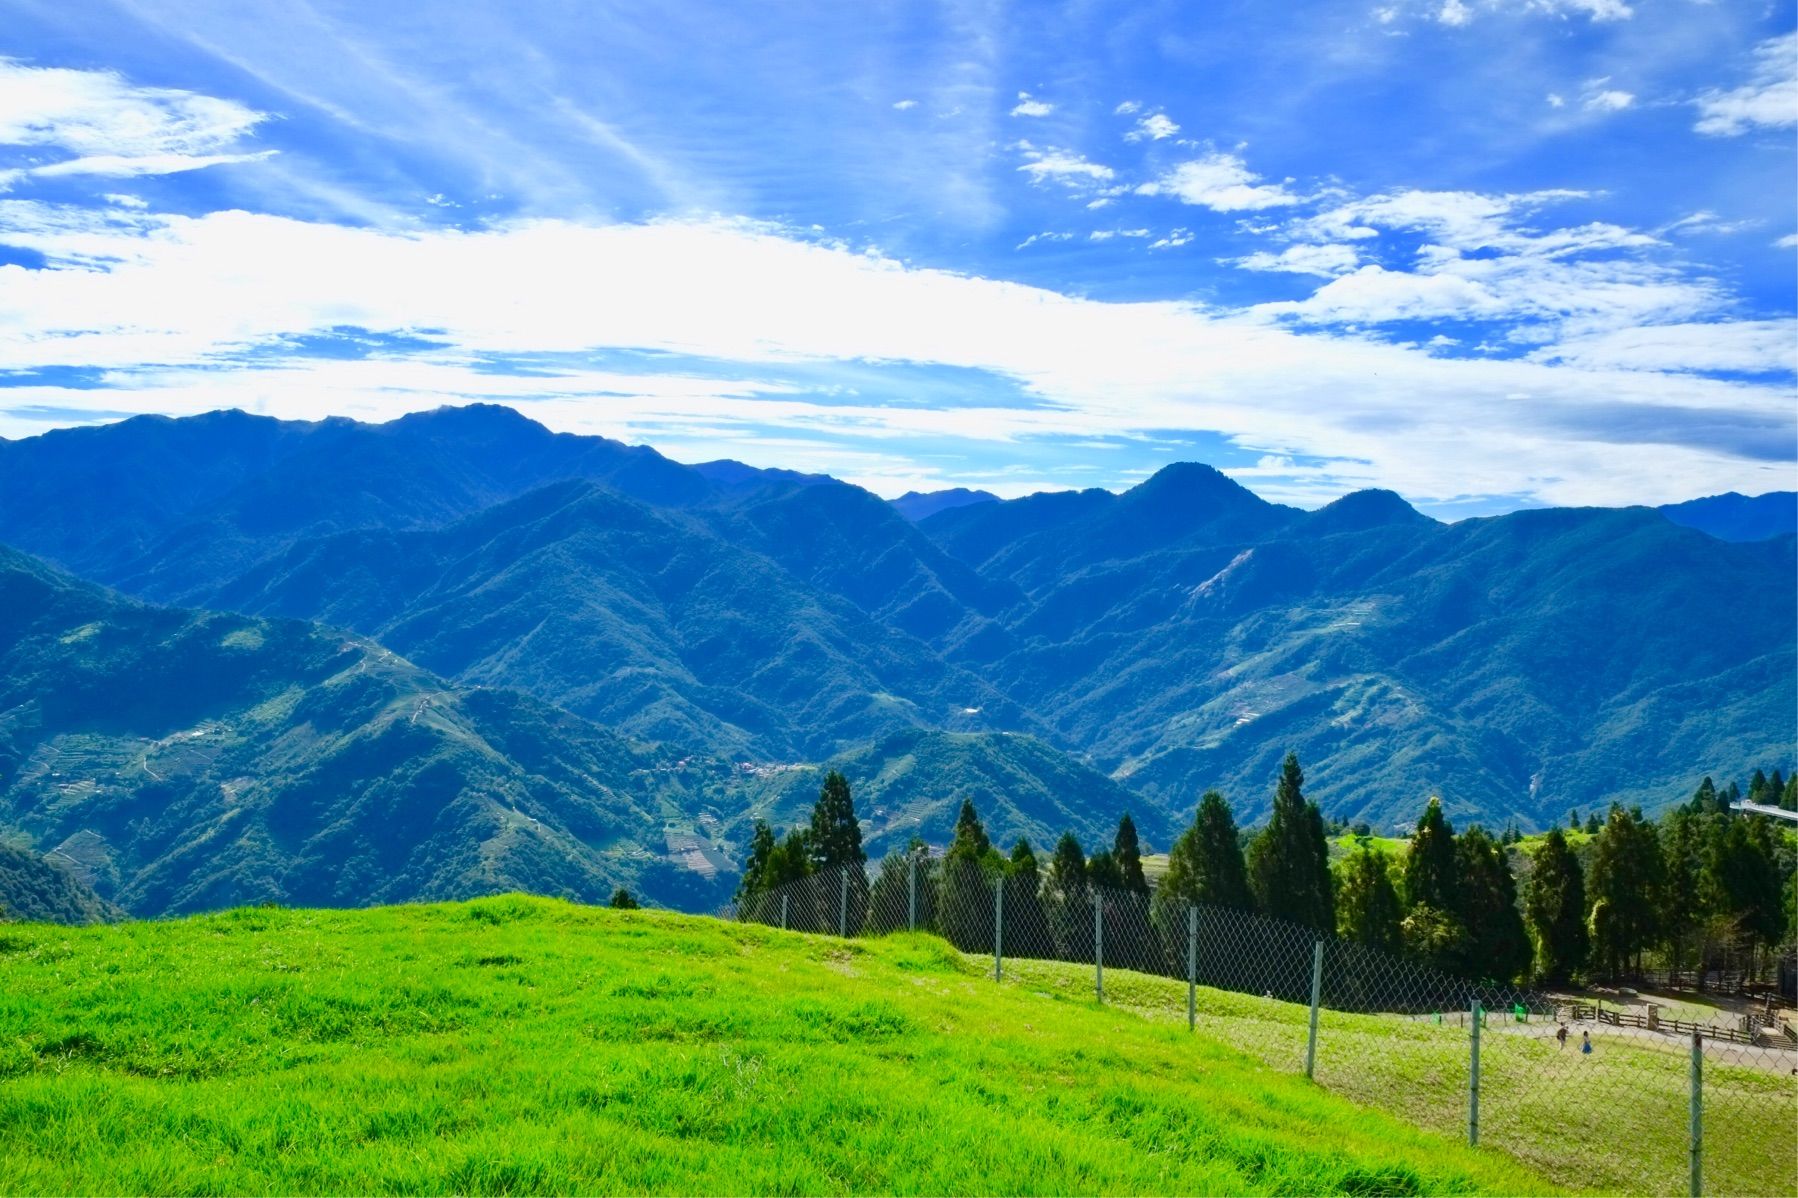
(1180, 636)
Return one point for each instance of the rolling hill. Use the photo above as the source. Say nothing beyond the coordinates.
(519, 1045)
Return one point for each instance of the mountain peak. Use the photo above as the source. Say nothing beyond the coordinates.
(1372, 508)
(1194, 482)
(917, 505)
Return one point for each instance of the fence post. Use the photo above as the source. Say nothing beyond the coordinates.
(1697, 1114)
(998, 926)
(1098, 945)
(911, 892)
(843, 905)
(1317, 987)
(783, 912)
(1473, 1074)
(1192, 968)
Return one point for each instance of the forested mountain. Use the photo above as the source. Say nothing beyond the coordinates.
(1181, 635)
(36, 889)
(1734, 517)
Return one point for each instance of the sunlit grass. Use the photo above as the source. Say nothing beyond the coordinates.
(522, 1045)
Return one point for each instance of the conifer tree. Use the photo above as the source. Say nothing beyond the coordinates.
(1625, 888)
(1431, 876)
(836, 835)
(1554, 905)
(1205, 865)
(1682, 911)
(761, 845)
(1023, 895)
(1128, 852)
(1103, 871)
(1367, 905)
(1067, 900)
(1498, 947)
(1289, 862)
(1434, 930)
(970, 869)
(623, 901)
(970, 841)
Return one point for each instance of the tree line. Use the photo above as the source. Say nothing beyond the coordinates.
(1596, 900)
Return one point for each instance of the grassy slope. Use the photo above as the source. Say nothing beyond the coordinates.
(1611, 1122)
(512, 1045)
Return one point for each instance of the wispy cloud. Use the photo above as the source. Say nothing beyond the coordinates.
(109, 126)
(1062, 166)
(164, 304)
(1027, 106)
(1769, 100)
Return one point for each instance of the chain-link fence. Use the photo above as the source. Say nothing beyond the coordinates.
(1630, 1094)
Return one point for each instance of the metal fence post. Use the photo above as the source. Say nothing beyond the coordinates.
(843, 905)
(1192, 968)
(1098, 945)
(1317, 988)
(1473, 1073)
(1697, 1114)
(911, 894)
(783, 912)
(998, 927)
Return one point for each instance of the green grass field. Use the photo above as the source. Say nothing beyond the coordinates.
(520, 1045)
(1612, 1122)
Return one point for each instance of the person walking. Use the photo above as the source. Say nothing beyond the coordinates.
(1561, 1037)
(1585, 1043)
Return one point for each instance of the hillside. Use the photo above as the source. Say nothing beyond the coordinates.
(35, 889)
(1182, 635)
(515, 1045)
(192, 760)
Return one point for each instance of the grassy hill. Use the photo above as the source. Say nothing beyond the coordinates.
(523, 1045)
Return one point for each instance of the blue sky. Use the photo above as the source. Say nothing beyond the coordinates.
(1489, 253)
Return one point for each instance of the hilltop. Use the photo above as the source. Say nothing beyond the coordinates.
(525, 1045)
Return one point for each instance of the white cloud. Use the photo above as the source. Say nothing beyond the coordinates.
(1062, 166)
(1768, 100)
(1154, 127)
(1746, 347)
(1127, 107)
(173, 309)
(1708, 223)
(903, 105)
(125, 201)
(1221, 182)
(1555, 101)
(1453, 12)
(1326, 261)
(1788, 242)
(111, 127)
(1174, 240)
(1029, 107)
(1034, 238)
(1608, 99)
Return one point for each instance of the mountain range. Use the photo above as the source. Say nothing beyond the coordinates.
(567, 663)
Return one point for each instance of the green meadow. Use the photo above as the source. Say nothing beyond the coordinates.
(515, 1045)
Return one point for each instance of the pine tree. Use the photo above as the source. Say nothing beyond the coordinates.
(1023, 896)
(1554, 905)
(761, 845)
(1103, 871)
(1498, 947)
(1289, 862)
(1682, 913)
(1742, 881)
(1431, 876)
(1023, 862)
(1205, 865)
(1625, 886)
(1067, 901)
(970, 869)
(622, 900)
(1433, 930)
(970, 841)
(1129, 856)
(836, 835)
(1367, 906)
